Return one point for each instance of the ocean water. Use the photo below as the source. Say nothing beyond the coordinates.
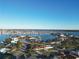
(43, 36)
(3, 36)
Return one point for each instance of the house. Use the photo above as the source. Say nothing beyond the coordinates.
(63, 37)
(14, 40)
(43, 47)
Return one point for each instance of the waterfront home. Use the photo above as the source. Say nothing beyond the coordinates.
(32, 38)
(22, 37)
(14, 40)
(63, 37)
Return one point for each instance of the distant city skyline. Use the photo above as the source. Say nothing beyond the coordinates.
(39, 14)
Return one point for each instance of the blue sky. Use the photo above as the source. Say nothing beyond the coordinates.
(39, 14)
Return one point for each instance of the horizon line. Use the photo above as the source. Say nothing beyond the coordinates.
(33, 29)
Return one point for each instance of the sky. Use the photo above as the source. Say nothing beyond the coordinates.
(39, 14)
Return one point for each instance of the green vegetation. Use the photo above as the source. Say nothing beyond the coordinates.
(19, 44)
(70, 43)
(8, 40)
(37, 47)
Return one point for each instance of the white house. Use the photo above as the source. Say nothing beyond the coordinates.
(14, 40)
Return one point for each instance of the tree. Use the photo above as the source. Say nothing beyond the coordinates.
(8, 40)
